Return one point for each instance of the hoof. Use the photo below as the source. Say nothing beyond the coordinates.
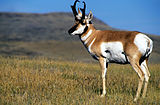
(103, 95)
(135, 100)
(144, 96)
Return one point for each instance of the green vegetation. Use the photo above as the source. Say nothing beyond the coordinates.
(45, 81)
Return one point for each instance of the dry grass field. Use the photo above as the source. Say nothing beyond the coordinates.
(42, 81)
(40, 64)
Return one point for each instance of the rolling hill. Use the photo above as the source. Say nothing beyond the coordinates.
(36, 27)
(46, 35)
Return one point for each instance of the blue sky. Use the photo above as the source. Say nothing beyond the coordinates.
(139, 15)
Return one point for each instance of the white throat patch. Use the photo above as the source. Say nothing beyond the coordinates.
(89, 47)
(86, 36)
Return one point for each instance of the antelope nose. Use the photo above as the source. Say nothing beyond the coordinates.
(69, 31)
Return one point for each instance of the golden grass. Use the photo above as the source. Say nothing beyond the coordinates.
(34, 81)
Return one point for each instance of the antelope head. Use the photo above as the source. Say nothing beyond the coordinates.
(81, 21)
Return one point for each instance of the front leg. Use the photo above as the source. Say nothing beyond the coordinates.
(104, 66)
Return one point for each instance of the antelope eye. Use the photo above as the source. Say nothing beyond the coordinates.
(82, 22)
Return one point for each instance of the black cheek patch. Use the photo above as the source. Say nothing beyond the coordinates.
(90, 22)
(73, 29)
(85, 29)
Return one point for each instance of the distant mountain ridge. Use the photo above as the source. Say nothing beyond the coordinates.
(35, 27)
(47, 35)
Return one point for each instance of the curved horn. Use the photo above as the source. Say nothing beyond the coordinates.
(74, 8)
(83, 10)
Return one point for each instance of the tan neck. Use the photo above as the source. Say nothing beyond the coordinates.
(89, 35)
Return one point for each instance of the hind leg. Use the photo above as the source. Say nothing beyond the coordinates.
(144, 67)
(135, 64)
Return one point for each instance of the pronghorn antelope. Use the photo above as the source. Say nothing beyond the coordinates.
(122, 47)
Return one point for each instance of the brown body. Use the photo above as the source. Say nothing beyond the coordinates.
(125, 37)
(121, 47)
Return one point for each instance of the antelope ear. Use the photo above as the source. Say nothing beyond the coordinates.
(79, 12)
(90, 16)
(79, 16)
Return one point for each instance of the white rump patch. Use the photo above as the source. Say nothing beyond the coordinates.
(114, 52)
(143, 43)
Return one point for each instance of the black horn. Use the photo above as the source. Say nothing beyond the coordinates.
(74, 8)
(83, 10)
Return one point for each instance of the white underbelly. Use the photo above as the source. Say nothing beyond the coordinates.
(115, 57)
(114, 53)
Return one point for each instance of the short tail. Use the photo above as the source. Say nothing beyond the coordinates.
(149, 48)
